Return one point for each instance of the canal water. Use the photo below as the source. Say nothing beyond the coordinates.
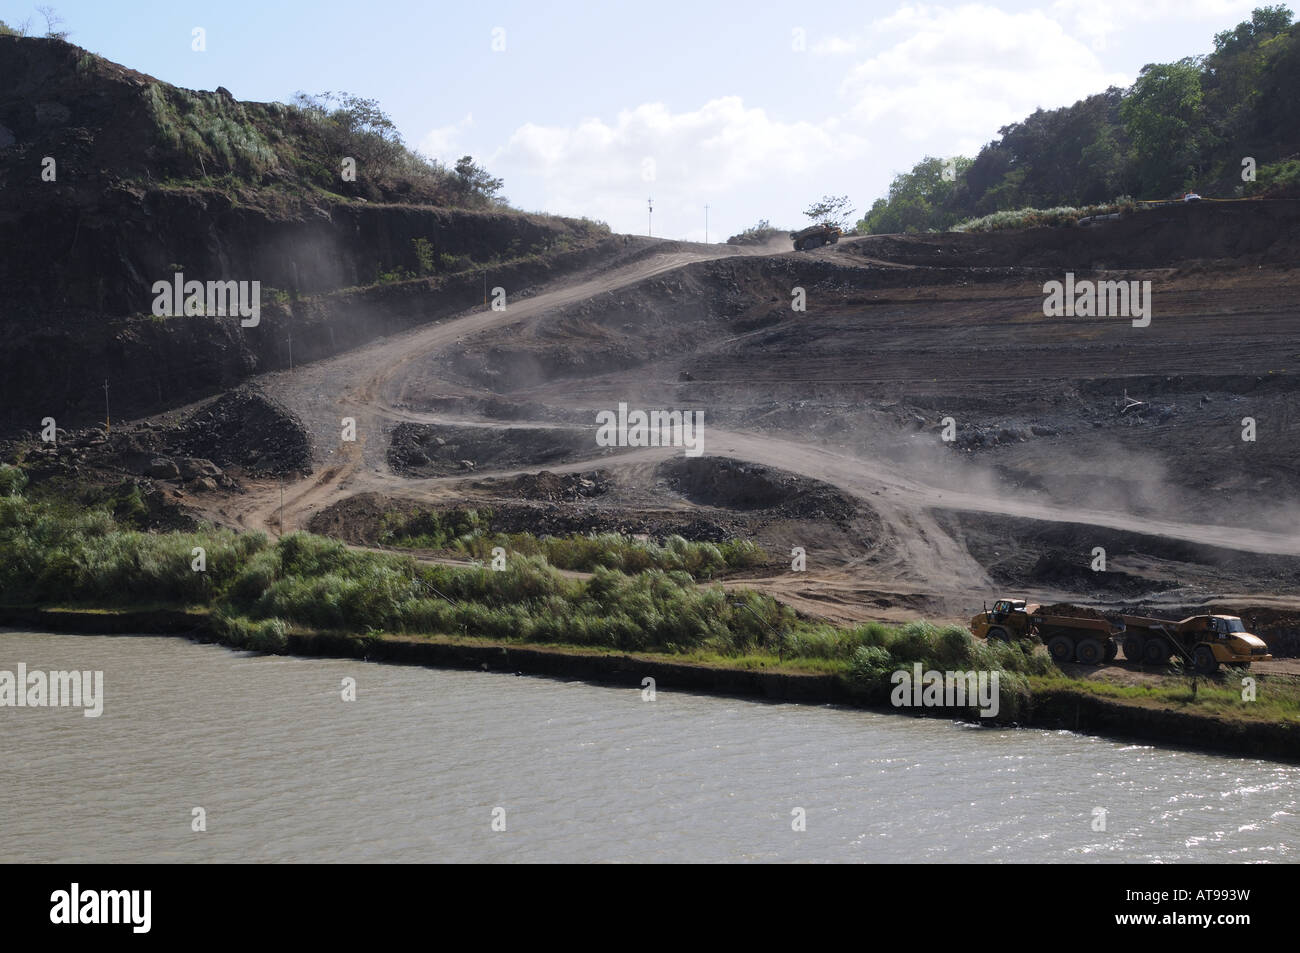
(430, 765)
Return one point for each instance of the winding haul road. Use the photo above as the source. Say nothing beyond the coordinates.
(362, 384)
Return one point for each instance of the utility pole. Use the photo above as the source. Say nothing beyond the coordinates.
(108, 418)
(706, 224)
(649, 230)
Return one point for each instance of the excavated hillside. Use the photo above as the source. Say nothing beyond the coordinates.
(114, 180)
(894, 420)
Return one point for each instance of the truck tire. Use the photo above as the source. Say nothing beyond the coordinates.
(798, 246)
(999, 634)
(1090, 651)
(1206, 663)
(1112, 649)
(1133, 646)
(1156, 652)
(1060, 648)
(835, 239)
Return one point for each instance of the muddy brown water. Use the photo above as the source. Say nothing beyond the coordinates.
(413, 769)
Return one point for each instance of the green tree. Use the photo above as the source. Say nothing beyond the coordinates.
(355, 126)
(1235, 72)
(474, 183)
(831, 210)
(1163, 117)
(1277, 107)
(1264, 22)
(920, 199)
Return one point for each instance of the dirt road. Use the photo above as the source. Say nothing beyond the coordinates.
(919, 553)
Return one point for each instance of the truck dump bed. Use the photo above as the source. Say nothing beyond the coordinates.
(1052, 624)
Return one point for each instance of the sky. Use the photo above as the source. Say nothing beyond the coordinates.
(753, 109)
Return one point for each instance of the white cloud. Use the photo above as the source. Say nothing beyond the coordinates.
(675, 157)
(1093, 22)
(962, 72)
(837, 45)
(925, 79)
(1096, 21)
(443, 143)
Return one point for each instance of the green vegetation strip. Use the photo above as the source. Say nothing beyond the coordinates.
(260, 592)
(469, 532)
(1063, 215)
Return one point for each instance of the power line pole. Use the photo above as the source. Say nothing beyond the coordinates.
(706, 224)
(649, 230)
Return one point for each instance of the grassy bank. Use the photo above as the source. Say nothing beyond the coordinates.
(469, 532)
(303, 592)
(258, 590)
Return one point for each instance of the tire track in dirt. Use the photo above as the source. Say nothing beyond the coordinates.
(916, 554)
(377, 369)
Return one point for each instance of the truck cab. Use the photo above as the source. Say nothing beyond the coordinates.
(1229, 642)
(1004, 607)
(1008, 619)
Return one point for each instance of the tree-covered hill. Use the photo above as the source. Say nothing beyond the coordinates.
(1189, 125)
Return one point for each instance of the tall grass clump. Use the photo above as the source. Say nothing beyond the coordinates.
(469, 532)
(1059, 216)
(949, 648)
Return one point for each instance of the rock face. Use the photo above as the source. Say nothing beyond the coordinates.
(82, 252)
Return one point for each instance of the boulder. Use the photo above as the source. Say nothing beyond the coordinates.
(192, 468)
(163, 468)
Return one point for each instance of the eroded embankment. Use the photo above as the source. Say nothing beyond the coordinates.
(155, 363)
(1052, 709)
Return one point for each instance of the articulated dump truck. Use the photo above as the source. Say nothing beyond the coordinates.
(1206, 641)
(814, 236)
(1088, 636)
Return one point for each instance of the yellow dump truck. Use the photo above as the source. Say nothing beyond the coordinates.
(1205, 641)
(814, 236)
(1069, 638)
